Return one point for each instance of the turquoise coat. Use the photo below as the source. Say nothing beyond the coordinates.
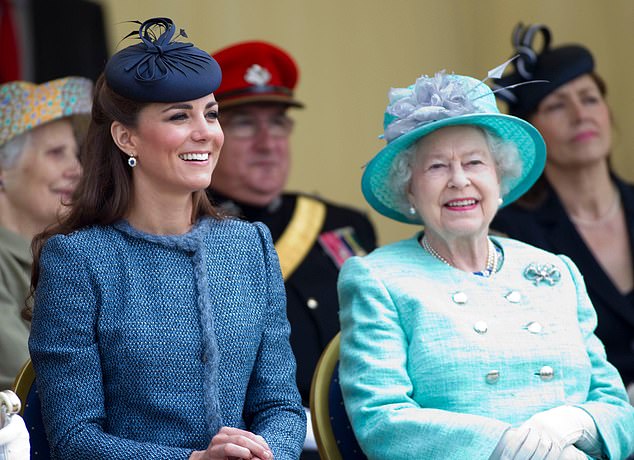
(437, 363)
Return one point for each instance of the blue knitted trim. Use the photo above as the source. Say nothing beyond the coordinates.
(194, 242)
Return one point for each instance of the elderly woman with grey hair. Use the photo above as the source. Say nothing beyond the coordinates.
(457, 344)
(39, 130)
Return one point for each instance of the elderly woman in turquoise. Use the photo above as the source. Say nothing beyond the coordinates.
(455, 344)
(159, 328)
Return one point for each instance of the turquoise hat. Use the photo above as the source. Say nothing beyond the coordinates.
(436, 102)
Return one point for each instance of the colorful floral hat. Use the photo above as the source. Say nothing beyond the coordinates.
(433, 103)
(24, 105)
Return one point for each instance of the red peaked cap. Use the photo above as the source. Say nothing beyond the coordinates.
(256, 71)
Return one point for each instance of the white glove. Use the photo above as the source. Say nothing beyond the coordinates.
(572, 453)
(14, 440)
(525, 443)
(568, 425)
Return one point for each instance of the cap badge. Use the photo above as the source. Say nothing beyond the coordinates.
(257, 75)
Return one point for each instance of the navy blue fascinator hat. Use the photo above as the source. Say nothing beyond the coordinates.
(160, 68)
(557, 66)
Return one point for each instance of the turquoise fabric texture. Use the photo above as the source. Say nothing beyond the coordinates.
(144, 345)
(437, 363)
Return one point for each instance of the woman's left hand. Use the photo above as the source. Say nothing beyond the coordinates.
(568, 426)
(235, 444)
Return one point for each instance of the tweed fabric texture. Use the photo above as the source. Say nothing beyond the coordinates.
(415, 354)
(24, 105)
(146, 345)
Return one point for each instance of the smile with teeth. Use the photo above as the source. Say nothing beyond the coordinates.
(460, 203)
(194, 156)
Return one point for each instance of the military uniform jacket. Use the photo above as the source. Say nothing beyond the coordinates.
(437, 363)
(311, 290)
(549, 227)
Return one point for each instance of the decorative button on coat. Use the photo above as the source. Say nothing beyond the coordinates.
(513, 296)
(546, 373)
(312, 303)
(459, 297)
(480, 327)
(534, 327)
(492, 377)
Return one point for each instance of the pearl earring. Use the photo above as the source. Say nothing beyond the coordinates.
(500, 201)
(412, 211)
(132, 161)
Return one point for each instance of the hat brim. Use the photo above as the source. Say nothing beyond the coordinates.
(375, 183)
(26, 106)
(259, 98)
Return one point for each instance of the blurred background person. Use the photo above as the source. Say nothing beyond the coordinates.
(41, 127)
(579, 206)
(159, 328)
(313, 237)
(14, 437)
(454, 344)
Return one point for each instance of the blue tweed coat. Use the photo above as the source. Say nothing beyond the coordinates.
(436, 363)
(144, 345)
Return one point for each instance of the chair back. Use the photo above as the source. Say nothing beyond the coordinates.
(25, 386)
(333, 432)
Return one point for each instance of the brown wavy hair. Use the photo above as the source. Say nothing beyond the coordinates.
(104, 191)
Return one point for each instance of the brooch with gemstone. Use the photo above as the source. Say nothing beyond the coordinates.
(542, 273)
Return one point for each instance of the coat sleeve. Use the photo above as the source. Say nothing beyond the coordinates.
(607, 401)
(14, 335)
(377, 390)
(273, 404)
(69, 372)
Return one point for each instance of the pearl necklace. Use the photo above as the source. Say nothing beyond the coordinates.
(492, 257)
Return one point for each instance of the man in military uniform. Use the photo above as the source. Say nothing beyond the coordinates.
(312, 237)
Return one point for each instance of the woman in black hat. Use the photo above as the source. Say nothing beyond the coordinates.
(579, 207)
(159, 329)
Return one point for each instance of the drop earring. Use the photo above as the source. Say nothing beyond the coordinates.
(132, 161)
(412, 210)
(500, 201)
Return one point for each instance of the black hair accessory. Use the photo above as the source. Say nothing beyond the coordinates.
(557, 66)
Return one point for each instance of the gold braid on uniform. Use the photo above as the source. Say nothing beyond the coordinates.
(300, 234)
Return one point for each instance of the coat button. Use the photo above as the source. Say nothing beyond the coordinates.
(459, 297)
(513, 296)
(312, 303)
(546, 373)
(492, 377)
(480, 327)
(203, 357)
(534, 327)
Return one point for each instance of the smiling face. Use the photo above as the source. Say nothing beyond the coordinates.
(44, 176)
(176, 146)
(255, 158)
(575, 123)
(454, 185)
